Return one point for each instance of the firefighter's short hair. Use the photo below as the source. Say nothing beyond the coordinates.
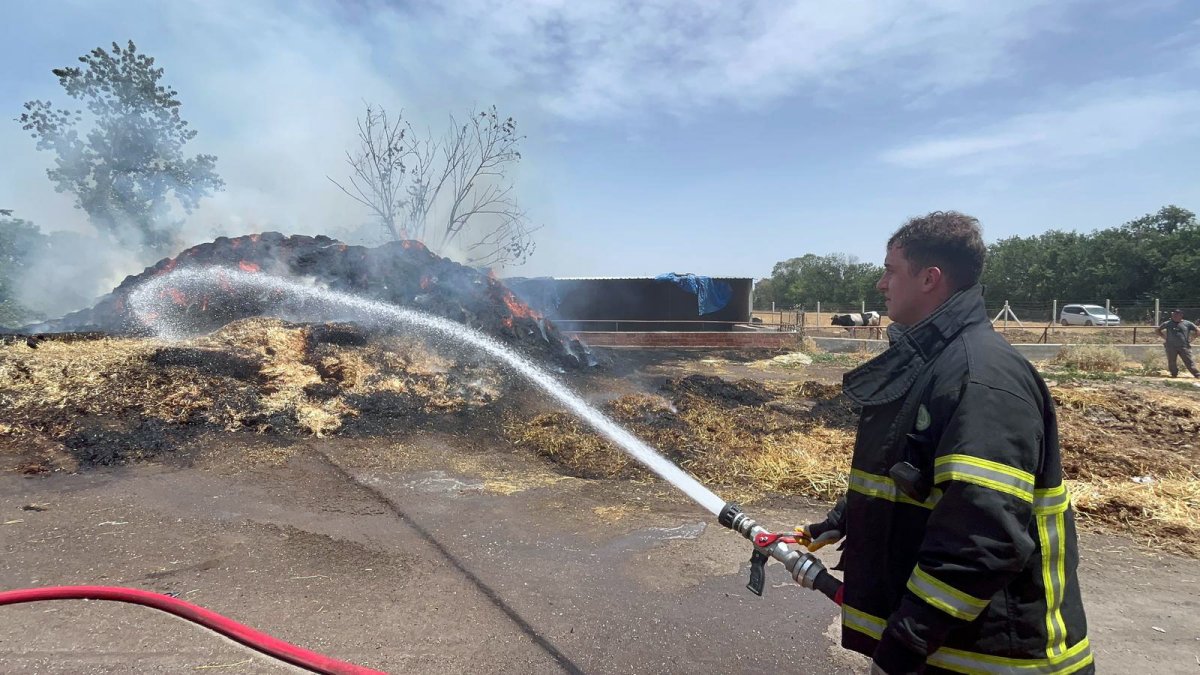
(949, 240)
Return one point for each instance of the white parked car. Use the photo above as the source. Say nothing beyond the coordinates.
(1087, 315)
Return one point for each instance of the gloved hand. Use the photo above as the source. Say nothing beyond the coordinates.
(817, 535)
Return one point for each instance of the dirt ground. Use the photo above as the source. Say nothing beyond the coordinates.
(449, 549)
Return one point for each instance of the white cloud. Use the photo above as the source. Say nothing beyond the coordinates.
(589, 60)
(1096, 122)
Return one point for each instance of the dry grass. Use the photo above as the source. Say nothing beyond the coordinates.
(1112, 433)
(255, 374)
(1091, 358)
(800, 442)
(744, 451)
(1163, 514)
(1154, 362)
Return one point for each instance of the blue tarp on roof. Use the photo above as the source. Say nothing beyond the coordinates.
(711, 295)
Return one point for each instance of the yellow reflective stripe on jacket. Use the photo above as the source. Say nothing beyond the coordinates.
(1050, 505)
(1051, 500)
(1073, 660)
(944, 596)
(862, 622)
(984, 473)
(883, 487)
(962, 661)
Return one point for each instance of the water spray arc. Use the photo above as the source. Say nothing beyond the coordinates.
(153, 303)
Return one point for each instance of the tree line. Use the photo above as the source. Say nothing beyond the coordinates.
(1155, 256)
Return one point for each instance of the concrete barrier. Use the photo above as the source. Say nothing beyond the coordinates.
(1033, 352)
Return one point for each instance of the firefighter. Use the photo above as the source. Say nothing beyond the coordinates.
(959, 548)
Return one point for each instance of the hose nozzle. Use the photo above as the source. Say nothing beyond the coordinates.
(805, 568)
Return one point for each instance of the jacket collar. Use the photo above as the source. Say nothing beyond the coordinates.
(890, 375)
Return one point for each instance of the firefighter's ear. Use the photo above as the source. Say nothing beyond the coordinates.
(931, 277)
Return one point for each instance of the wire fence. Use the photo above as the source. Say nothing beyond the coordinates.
(1021, 321)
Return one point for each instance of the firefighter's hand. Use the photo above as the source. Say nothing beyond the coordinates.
(818, 535)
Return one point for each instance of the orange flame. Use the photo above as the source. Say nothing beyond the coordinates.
(426, 281)
(177, 296)
(247, 266)
(507, 321)
(517, 307)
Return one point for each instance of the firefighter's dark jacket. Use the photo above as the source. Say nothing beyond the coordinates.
(973, 568)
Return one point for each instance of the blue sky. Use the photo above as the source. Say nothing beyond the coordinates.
(711, 137)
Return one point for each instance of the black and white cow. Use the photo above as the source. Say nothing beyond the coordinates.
(869, 320)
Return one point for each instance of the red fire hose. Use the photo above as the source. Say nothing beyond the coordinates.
(264, 643)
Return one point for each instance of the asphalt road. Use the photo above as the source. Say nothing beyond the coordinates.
(424, 558)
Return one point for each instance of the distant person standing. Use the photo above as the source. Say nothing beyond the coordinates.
(1177, 333)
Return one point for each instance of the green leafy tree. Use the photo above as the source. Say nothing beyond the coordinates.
(20, 240)
(1171, 244)
(836, 280)
(1168, 220)
(764, 294)
(1157, 255)
(124, 160)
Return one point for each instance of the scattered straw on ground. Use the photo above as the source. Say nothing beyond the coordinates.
(798, 441)
(112, 399)
(1114, 433)
(505, 480)
(743, 450)
(618, 512)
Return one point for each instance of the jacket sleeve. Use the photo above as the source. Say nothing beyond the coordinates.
(977, 536)
(836, 518)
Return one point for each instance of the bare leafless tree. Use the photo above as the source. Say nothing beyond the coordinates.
(379, 169)
(457, 190)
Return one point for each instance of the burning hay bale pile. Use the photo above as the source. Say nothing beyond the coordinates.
(111, 399)
(400, 273)
(92, 388)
